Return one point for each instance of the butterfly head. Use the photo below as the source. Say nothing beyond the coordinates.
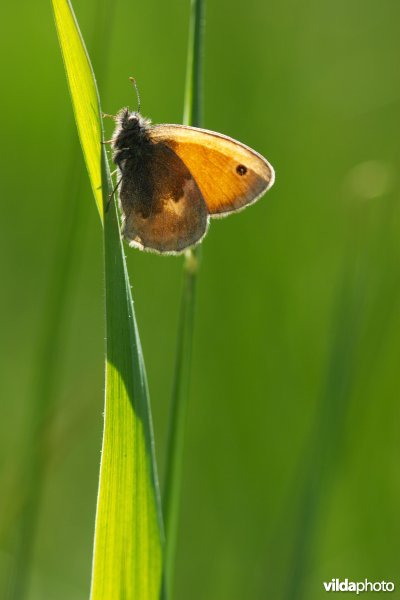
(131, 121)
(130, 137)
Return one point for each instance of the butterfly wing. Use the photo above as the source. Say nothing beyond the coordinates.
(162, 207)
(229, 174)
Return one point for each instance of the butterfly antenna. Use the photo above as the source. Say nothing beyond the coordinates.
(137, 92)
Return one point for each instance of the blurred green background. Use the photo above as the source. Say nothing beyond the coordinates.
(292, 454)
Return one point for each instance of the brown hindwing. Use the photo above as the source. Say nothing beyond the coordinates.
(163, 208)
(229, 174)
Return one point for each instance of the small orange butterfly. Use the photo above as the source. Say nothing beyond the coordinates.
(173, 178)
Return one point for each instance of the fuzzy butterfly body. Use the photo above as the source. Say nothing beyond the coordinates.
(173, 178)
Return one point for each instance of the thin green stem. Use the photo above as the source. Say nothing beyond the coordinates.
(179, 402)
(181, 385)
(193, 107)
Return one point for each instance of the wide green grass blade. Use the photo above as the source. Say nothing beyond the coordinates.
(127, 559)
(22, 528)
(82, 85)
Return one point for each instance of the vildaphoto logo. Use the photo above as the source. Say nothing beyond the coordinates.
(344, 585)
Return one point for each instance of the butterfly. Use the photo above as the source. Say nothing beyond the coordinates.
(173, 178)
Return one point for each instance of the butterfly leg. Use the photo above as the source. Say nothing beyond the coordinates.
(107, 116)
(112, 194)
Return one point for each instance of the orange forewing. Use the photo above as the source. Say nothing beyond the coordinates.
(229, 174)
